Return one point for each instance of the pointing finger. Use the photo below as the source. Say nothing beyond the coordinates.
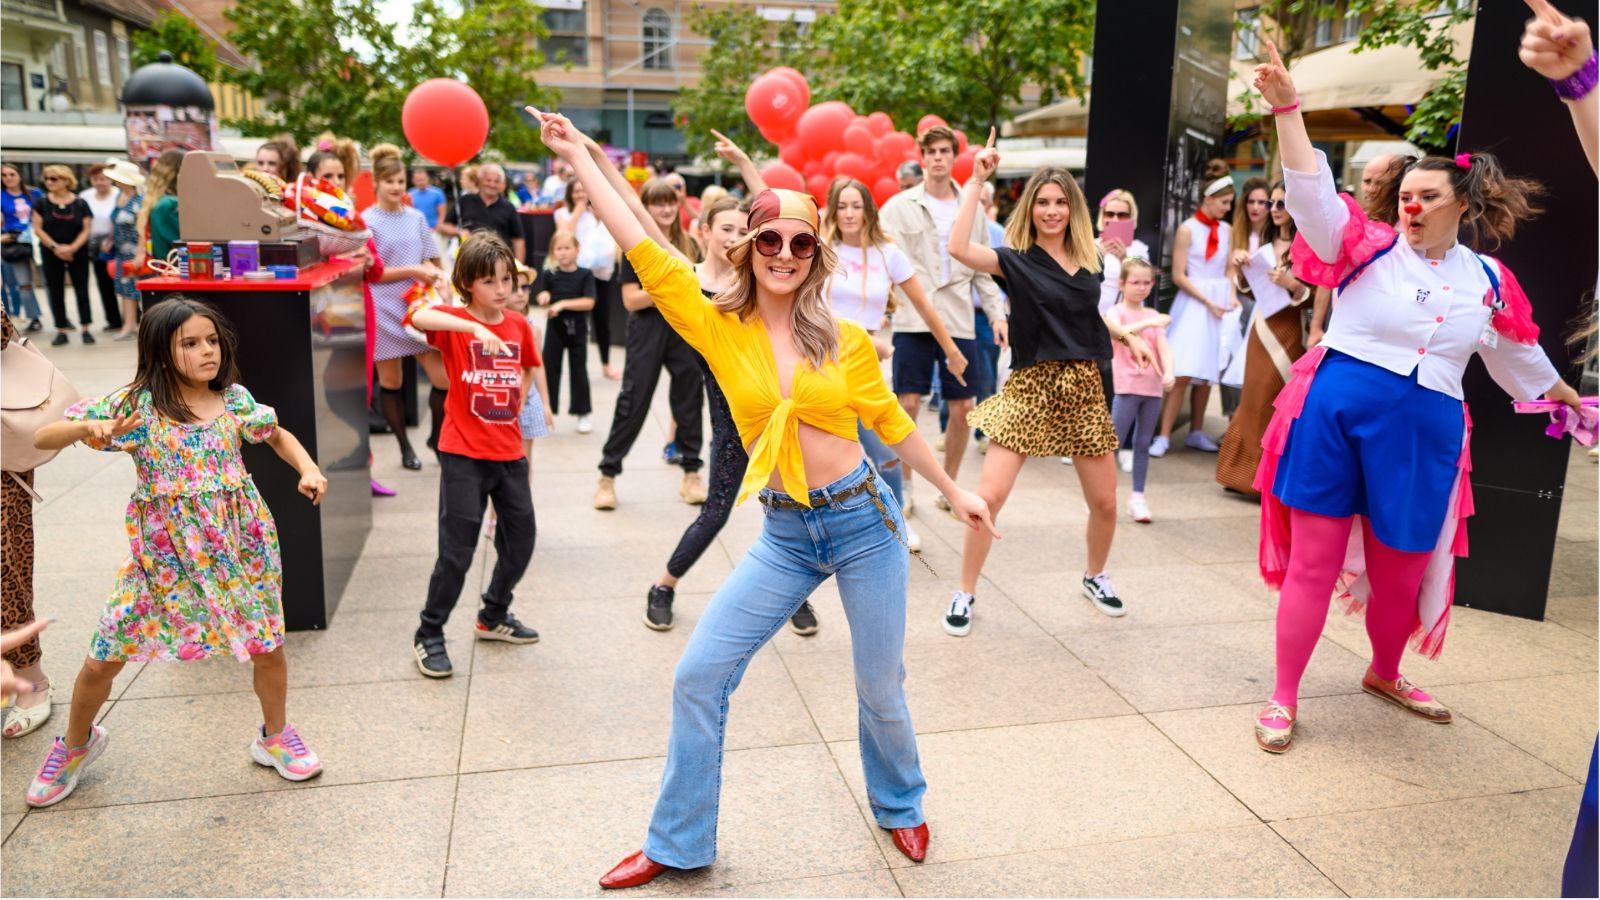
(990, 145)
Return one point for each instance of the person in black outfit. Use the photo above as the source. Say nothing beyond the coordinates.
(487, 209)
(63, 219)
(567, 291)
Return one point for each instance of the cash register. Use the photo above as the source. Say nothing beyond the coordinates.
(217, 203)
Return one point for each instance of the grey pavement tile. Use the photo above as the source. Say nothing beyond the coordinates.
(591, 633)
(1580, 613)
(785, 814)
(1205, 665)
(399, 581)
(1552, 717)
(870, 883)
(1480, 646)
(926, 603)
(1574, 569)
(1352, 753)
(566, 716)
(1578, 519)
(1229, 862)
(577, 574)
(1156, 596)
(1044, 787)
(1509, 845)
(9, 823)
(334, 841)
(363, 733)
(960, 684)
(1186, 501)
(1231, 539)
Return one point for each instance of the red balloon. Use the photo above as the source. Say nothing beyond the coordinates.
(854, 166)
(830, 162)
(858, 140)
(362, 190)
(928, 121)
(445, 121)
(961, 142)
(961, 169)
(883, 189)
(783, 175)
(821, 128)
(792, 154)
(773, 102)
(783, 134)
(798, 80)
(894, 147)
(818, 186)
(879, 124)
(812, 168)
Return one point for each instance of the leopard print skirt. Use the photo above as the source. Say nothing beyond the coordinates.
(16, 565)
(1052, 408)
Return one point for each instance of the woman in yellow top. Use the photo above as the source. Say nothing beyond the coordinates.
(796, 381)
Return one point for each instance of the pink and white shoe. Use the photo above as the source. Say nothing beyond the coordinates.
(1405, 695)
(288, 754)
(59, 775)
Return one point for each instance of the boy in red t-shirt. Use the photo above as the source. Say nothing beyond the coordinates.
(489, 354)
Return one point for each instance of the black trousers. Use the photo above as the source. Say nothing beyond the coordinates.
(728, 462)
(652, 345)
(56, 271)
(464, 486)
(108, 290)
(568, 334)
(608, 296)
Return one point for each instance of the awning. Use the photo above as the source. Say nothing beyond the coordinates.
(1022, 163)
(88, 144)
(1069, 118)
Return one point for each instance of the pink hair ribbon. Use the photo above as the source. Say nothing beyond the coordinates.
(1464, 161)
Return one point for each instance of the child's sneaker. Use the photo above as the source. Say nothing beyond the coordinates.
(1139, 509)
(59, 775)
(1125, 460)
(1158, 447)
(585, 424)
(285, 752)
(510, 630)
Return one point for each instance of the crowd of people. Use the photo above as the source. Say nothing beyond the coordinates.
(1038, 336)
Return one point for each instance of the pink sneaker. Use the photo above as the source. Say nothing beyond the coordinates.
(1405, 695)
(59, 775)
(285, 752)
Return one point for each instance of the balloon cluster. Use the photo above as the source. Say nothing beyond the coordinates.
(819, 143)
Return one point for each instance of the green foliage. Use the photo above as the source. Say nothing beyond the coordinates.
(743, 45)
(175, 34)
(323, 84)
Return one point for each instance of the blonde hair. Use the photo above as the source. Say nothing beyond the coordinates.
(386, 162)
(659, 191)
(346, 150)
(1135, 262)
(816, 332)
(163, 176)
(559, 237)
(712, 194)
(64, 173)
(1118, 194)
(872, 233)
(1080, 242)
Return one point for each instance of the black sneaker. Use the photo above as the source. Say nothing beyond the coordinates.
(958, 621)
(1100, 592)
(511, 631)
(658, 608)
(804, 620)
(431, 658)
(35, 325)
(88, 337)
(60, 339)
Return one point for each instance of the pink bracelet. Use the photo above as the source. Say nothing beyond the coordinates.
(1280, 110)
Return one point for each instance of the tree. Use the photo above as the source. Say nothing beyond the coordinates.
(968, 63)
(740, 49)
(1422, 25)
(175, 34)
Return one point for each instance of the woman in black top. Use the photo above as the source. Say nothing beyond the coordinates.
(62, 220)
(1053, 403)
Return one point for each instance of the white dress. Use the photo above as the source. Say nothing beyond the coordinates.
(1233, 336)
(1195, 334)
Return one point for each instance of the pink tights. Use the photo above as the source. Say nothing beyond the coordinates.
(1315, 558)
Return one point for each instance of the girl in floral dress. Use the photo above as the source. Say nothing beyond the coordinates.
(203, 578)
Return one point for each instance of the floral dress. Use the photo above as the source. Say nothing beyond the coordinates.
(125, 243)
(204, 576)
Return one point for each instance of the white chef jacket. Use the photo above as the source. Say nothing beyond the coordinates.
(1407, 313)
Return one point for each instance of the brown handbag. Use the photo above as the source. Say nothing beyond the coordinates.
(33, 393)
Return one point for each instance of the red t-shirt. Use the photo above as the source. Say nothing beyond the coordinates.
(485, 399)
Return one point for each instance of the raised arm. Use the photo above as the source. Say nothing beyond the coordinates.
(1558, 48)
(1314, 204)
(963, 249)
(609, 206)
(625, 191)
(733, 153)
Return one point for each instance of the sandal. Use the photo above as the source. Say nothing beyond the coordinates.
(1274, 738)
(21, 720)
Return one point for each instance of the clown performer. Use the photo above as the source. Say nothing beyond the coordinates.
(1364, 472)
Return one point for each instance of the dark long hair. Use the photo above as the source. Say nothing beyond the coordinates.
(1273, 232)
(158, 374)
(1496, 202)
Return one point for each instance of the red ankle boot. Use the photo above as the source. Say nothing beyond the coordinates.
(637, 869)
(913, 842)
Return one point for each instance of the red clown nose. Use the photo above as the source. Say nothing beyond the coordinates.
(1413, 209)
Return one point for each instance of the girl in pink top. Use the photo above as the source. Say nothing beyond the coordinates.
(1136, 406)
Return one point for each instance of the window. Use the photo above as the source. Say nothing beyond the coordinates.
(656, 46)
(123, 58)
(12, 93)
(1352, 27)
(1445, 7)
(1247, 43)
(102, 59)
(1324, 35)
(568, 38)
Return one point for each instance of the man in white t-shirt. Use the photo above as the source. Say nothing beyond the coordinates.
(920, 220)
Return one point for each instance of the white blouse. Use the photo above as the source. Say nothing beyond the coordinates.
(1407, 313)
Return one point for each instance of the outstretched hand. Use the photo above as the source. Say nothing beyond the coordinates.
(106, 429)
(973, 511)
(727, 149)
(557, 133)
(986, 160)
(1554, 45)
(1272, 80)
(10, 684)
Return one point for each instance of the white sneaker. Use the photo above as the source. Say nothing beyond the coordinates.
(1066, 460)
(585, 424)
(958, 621)
(1125, 460)
(913, 540)
(1199, 440)
(1158, 447)
(1139, 509)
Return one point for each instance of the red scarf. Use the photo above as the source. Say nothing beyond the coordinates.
(1211, 236)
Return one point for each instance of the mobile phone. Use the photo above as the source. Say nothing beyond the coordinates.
(1118, 229)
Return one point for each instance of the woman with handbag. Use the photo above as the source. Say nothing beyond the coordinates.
(16, 246)
(32, 392)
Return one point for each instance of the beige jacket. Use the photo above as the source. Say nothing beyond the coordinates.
(908, 220)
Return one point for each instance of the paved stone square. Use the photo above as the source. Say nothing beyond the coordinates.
(1066, 753)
